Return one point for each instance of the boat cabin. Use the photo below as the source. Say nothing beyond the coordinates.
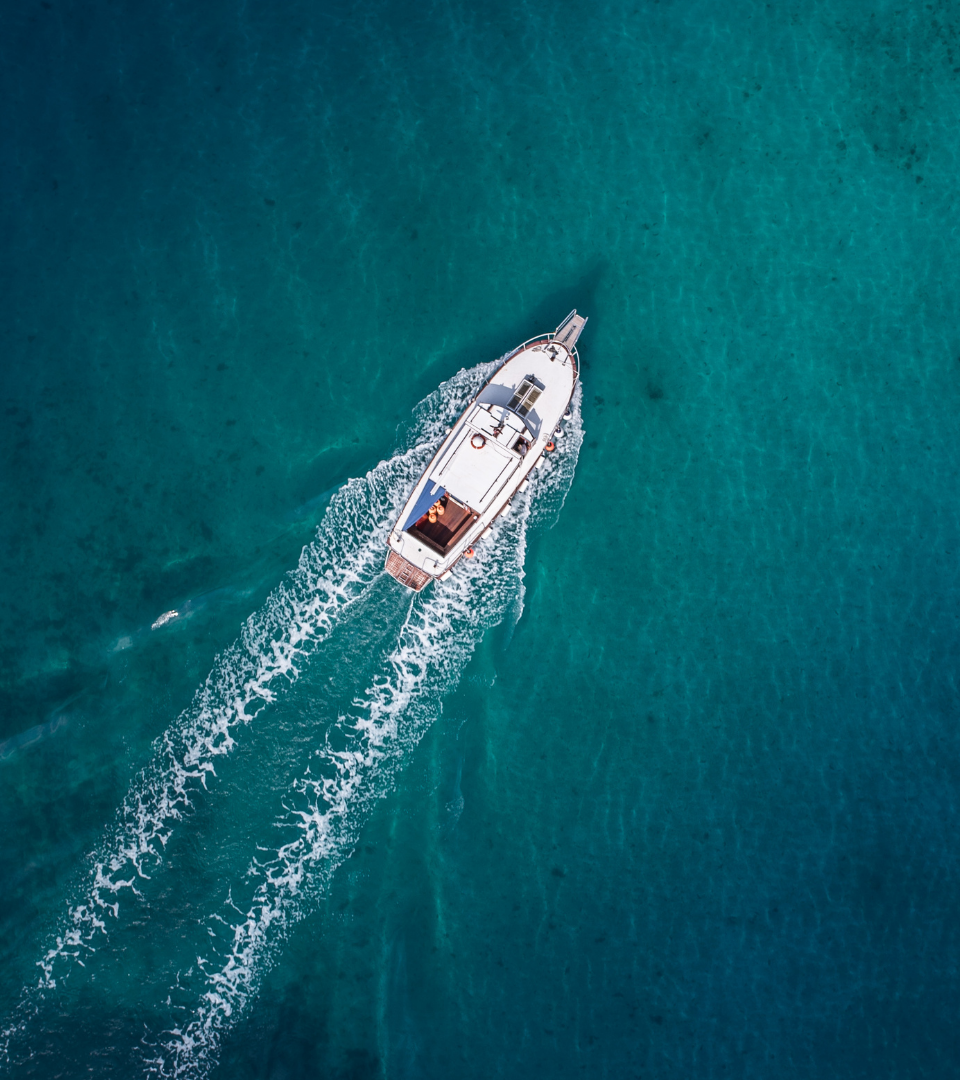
(484, 454)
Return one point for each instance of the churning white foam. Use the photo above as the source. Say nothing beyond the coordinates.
(335, 573)
(356, 765)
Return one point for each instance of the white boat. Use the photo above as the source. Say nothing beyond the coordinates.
(487, 457)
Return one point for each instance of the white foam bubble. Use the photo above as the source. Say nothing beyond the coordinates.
(352, 768)
(334, 572)
(357, 764)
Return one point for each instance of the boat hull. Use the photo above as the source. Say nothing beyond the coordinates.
(487, 457)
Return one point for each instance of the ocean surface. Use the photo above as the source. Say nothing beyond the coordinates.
(666, 783)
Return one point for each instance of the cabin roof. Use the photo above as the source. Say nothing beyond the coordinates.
(474, 474)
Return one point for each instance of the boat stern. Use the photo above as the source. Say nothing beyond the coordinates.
(405, 572)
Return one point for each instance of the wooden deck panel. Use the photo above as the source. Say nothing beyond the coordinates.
(569, 330)
(406, 573)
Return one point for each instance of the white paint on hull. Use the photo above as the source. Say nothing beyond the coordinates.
(490, 453)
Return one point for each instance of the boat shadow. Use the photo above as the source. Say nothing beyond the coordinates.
(495, 338)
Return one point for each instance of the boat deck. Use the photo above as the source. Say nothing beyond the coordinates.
(442, 534)
(406, 573)
(487, 456)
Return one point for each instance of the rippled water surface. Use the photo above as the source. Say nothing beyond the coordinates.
(665, 783)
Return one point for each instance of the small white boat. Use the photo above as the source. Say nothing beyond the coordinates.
(487, 457)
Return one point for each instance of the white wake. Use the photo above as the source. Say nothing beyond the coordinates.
(335, 573)
(357, 763)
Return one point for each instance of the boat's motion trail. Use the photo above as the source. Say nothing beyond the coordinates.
(334, 572)
(360, 756)
(361, 752)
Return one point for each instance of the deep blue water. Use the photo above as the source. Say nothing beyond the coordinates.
(668, 784)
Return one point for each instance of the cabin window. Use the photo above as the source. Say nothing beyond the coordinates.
(525, 397)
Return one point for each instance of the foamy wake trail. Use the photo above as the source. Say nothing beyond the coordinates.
(334, 573)
(361, 755)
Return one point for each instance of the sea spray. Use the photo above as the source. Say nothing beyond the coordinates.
(357, 764)
(335, 575)
(334, 572)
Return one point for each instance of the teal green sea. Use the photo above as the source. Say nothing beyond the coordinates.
(666, 783)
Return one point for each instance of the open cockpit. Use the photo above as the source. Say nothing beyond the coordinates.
(443, 524)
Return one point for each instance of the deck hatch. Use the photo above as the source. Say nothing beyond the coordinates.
(525, 396)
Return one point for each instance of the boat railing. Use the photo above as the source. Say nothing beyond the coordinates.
(540, 339)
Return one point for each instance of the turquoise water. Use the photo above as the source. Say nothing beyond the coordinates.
(666, 784)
